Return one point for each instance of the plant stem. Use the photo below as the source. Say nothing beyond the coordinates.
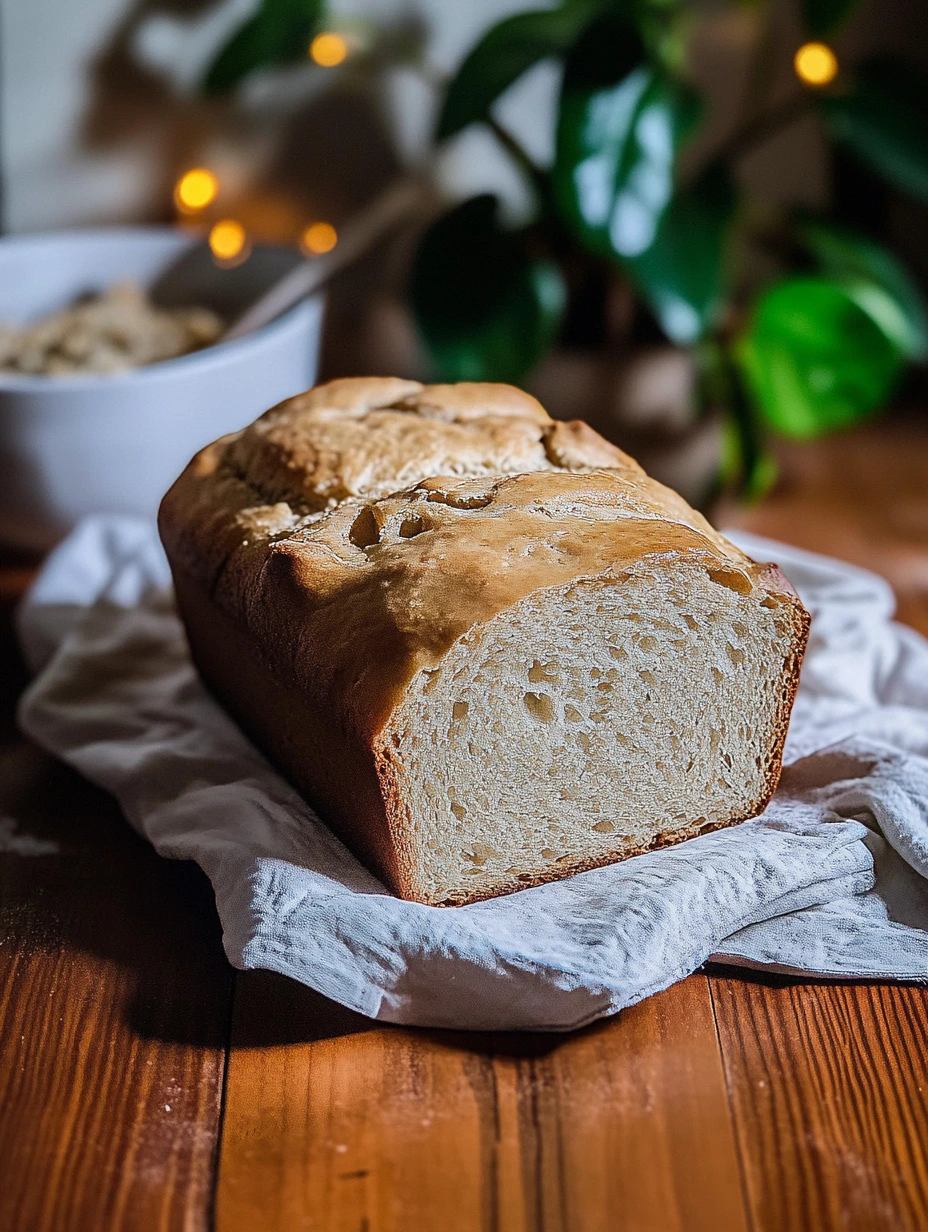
(520, 156)
(748, 469)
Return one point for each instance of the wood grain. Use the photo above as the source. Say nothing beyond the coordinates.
(342, 1126)
(113, 1009)
(828, 1082)
(114, 1003)
(829, 1086)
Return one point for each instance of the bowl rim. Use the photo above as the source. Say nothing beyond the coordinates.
(217, 352)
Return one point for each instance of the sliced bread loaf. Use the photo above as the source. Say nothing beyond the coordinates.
(487, 647)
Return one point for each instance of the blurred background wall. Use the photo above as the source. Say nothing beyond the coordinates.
(101, 111)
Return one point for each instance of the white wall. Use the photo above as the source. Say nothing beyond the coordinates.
(52, 91)
(46, 49)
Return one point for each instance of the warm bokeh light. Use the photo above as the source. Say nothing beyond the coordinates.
(318, 238)
(816, 64)
(195, 189)
(228, 241)
(328, 49)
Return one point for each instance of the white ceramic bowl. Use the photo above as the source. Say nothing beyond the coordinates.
(71, 446)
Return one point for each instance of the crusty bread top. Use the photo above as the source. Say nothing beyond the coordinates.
(421, 567)
(362, 436)
(376, 435)
(404, 557)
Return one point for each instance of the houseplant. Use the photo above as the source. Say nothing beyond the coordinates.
(816, 345)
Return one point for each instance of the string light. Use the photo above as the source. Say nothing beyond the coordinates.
(328, 49)
(319, 237)
(228, 242)
(815, 64)
(195, 190)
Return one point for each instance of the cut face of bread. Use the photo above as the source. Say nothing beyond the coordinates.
(591, 722)
(482, 680)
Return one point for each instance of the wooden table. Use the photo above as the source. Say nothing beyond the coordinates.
(145, 1086)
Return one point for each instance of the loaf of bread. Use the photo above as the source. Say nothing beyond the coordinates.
(485, 645)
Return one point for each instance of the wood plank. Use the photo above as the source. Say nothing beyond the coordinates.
(828, 1082)
(337, 1125)
(829, 1085)
(114, 1000)
(114, 1005)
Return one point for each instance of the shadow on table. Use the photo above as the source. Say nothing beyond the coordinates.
(77, 885)
(75, 880)
(271, 1009)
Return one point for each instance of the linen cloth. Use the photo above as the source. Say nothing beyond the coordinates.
(831, 880)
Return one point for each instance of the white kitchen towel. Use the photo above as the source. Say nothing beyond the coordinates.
(832, 879)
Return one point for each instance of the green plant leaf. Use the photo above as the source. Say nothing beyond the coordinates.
(664, 26)
(822, 17)
(682, 274)
(279, 33)
(746, 466)
(486, 309)
(876, 281)
(883, 119)
(617, 148)
(814, 360)
(504, 53)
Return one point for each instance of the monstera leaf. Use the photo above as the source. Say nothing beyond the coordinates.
(883, 119)
(485, 307)
(682, 273)
(814, 359)
(875, 280)
(504, 53)
(617, 148)
(620, 124)
(279, 33)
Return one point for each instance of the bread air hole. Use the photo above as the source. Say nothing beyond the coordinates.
(542, 673)
(732, 578)
(365, 532)
(479, 853)
(458, 500)
(540, 707)
(736, 655)
(412, 526)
